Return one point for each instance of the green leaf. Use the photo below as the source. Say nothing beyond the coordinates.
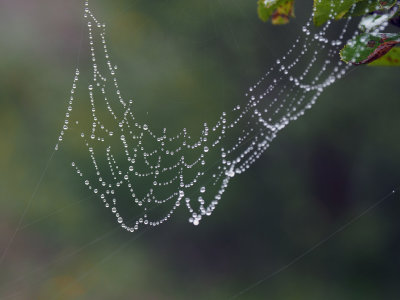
(368, 47)
(390, 59)
(366, 6)
(279, 10)
(325, 10)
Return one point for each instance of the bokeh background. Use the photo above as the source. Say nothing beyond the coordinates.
(184, 61)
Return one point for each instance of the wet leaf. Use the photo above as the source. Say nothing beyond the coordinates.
(283, 13)
(278, 10)
(390, 59)
(372, 21)
(367, 47)
(364, 7)
(324, 11)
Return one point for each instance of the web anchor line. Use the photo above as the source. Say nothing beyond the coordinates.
(317, 245)
(174, 170)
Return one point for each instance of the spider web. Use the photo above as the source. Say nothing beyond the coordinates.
(143, 175)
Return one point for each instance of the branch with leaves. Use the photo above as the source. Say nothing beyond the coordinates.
(371, 47)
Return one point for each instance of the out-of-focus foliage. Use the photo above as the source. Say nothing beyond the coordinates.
(283, 13)
(375, 14)
(280, 11)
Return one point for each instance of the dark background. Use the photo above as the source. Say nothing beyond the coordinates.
(192, 60)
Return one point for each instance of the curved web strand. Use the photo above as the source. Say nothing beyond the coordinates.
(154, 173)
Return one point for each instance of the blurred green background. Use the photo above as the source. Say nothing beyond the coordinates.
(190, 60)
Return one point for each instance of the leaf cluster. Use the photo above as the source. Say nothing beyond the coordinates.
(370, 47)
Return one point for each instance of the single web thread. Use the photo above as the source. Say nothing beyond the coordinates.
(317, 245)
(20, 225)
(134, 163)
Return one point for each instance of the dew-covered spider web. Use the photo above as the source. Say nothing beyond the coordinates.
(144, 175)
